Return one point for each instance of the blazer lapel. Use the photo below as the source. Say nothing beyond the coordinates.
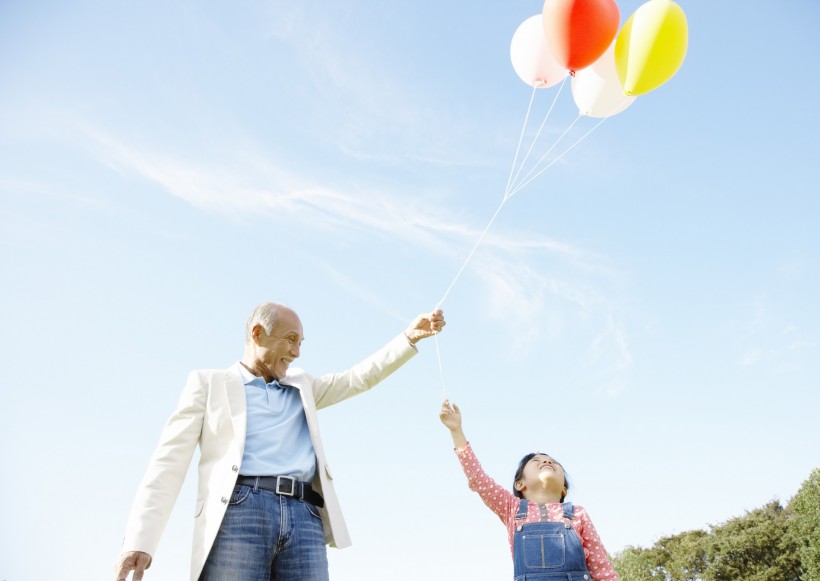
(238, 405)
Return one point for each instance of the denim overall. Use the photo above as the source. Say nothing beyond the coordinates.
(548, 551)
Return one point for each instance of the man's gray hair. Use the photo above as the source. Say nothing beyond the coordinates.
(267, 315)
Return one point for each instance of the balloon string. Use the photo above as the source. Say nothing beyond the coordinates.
(537, 135)
(452, 284)
(520, 139)
(571, 147)
(440, 369)
(507, 190)
(542, 158)
(507, 195)
(469, 256)
(490, 223)
(484, 233)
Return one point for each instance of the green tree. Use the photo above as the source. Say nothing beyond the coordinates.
(754, 547)
(637, 564)
(803, 514)
(767, 544)
(683, 556)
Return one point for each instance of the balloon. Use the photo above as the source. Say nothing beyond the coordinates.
(579, 31)
(596, 89)
(532, 58)
(651, 46)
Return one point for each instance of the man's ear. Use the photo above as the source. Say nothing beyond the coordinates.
(257, 332)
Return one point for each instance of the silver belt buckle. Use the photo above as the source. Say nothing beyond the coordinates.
(286, 485)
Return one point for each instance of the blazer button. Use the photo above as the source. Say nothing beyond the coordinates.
(235, 468)
(224, 500)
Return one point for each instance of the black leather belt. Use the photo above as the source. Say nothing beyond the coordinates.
(285, 486)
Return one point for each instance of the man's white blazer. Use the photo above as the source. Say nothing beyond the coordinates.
(212, 414)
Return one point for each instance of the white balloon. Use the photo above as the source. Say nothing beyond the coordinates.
(531, 58)
(597, 91)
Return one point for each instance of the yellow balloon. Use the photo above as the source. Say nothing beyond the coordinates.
(651, 46)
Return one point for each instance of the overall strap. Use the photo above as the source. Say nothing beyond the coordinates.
(522, 510)
(569, 510)
(544, 515)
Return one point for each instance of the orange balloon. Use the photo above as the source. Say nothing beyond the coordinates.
(579, 31)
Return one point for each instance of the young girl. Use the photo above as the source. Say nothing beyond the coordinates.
(549, 538)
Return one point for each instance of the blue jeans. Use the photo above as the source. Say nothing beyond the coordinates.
(267, 537)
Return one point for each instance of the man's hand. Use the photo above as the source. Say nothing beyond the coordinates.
(425, 326)
(135, 561)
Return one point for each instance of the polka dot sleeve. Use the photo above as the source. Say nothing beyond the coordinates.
(597, 559)
(497, 498)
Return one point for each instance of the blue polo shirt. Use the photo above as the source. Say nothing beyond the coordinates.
(277, 442)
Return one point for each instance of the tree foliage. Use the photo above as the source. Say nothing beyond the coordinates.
(771, 543)
(804, 525)
(637, 564)
(754, 547)
(683, 556)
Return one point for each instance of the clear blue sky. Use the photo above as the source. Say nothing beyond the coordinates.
(645, 311)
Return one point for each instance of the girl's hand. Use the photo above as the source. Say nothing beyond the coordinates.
(450, 416)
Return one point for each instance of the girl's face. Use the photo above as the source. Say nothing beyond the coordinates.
(542, 473)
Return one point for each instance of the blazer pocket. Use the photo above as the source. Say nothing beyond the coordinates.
(200, 503)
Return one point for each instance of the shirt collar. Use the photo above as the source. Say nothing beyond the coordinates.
(249, 378)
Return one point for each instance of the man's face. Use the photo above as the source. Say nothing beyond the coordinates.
(277, 350)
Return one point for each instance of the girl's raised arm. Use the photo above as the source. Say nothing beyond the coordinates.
(450, 416)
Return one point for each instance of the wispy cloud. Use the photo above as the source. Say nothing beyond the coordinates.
(246, 183)
(541, 305)
(521, 294)
(363, 293)
(369, 102)
(612, 338)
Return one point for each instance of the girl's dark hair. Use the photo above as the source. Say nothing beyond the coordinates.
(519, 473)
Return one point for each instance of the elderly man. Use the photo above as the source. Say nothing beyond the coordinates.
(266, 506)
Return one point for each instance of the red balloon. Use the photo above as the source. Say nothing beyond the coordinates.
(580, 31)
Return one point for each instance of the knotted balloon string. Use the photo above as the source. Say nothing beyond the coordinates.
(470, 255)
(526, 181)
(440, 369)
(452, 284)
(508, 193)
(510, 180)
(520, 139)
(534, 139)
(487, 228)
